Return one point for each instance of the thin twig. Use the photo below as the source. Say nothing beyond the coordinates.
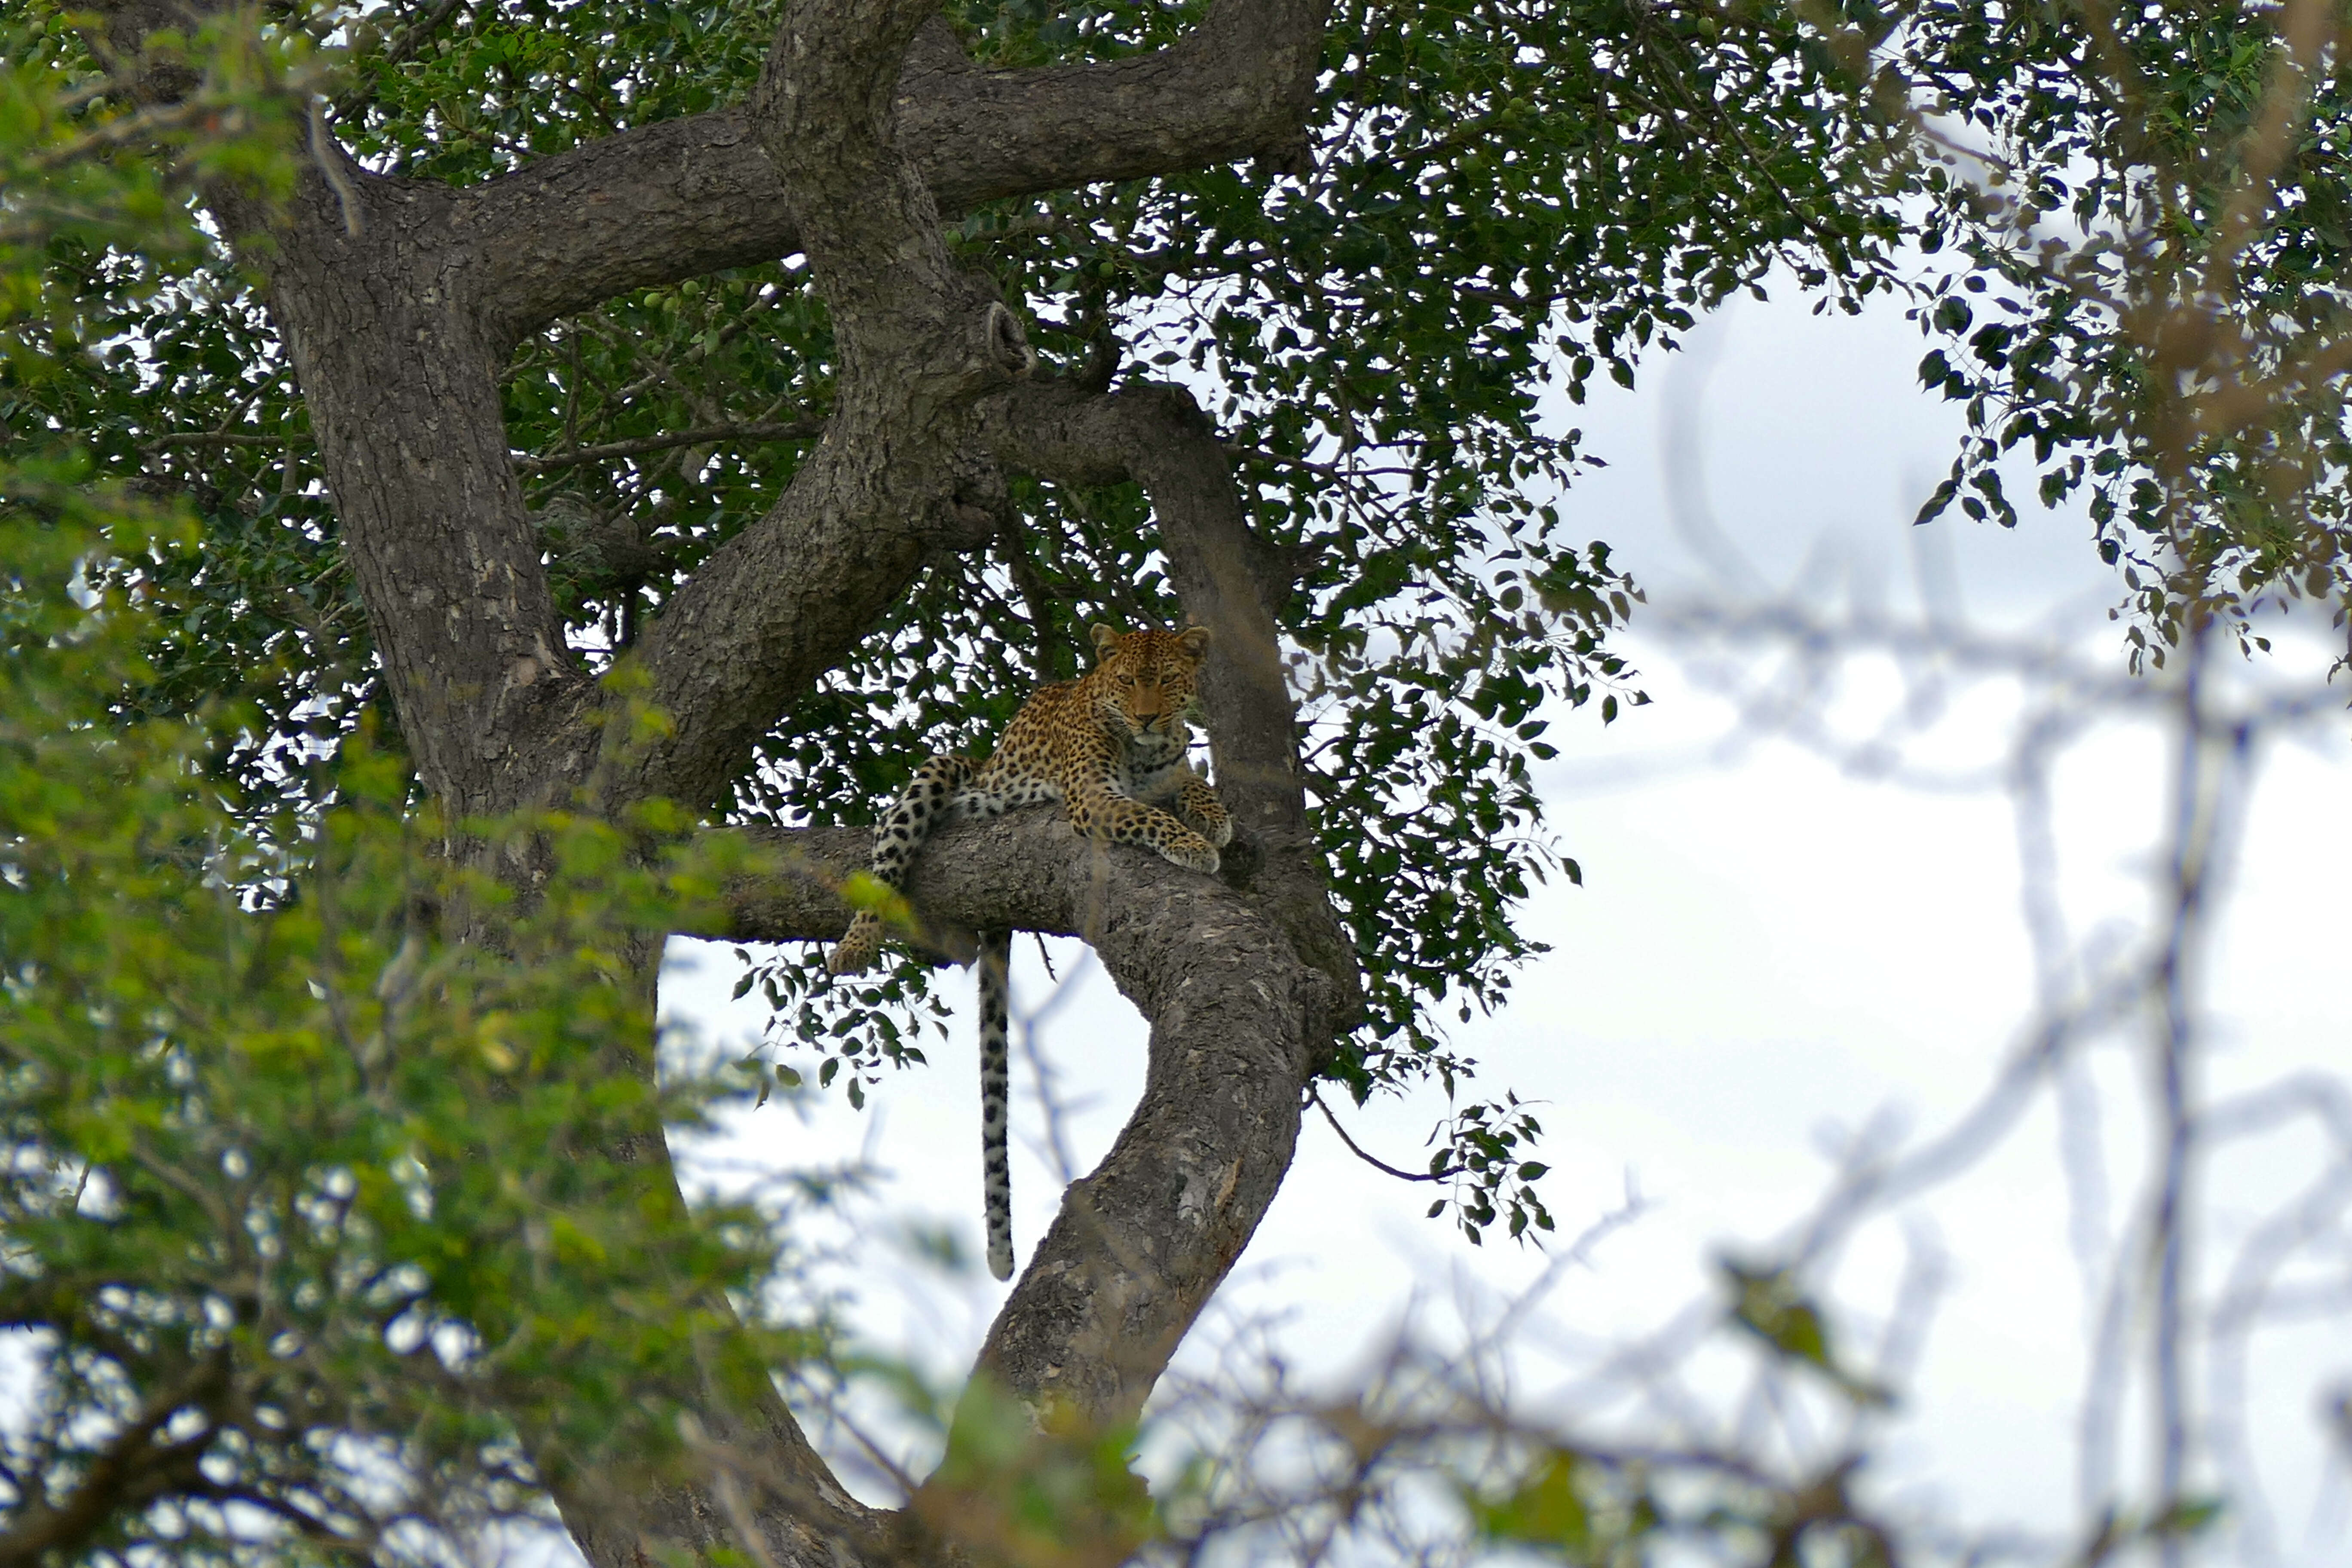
(793, 430)
(1373, 1161)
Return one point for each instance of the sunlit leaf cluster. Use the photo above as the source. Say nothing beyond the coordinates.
(264, 1297)
(275, 1295)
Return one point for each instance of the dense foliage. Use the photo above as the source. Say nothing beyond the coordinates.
(262, 1298)
(1501, 202)
(275, 1297)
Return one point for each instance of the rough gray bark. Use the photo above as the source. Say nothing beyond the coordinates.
(399, 301)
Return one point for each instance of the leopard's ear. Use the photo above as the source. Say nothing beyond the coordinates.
(1195, 640)
(1106, 639)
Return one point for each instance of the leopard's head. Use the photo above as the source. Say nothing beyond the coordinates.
(1144, 683)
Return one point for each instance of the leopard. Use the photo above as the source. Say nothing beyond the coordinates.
(1113, 747)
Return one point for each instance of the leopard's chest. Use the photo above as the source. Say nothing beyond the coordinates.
(1141, 767)
(1067, 758)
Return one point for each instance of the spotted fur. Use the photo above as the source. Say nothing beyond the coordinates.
(1111, 747)
(996, 964)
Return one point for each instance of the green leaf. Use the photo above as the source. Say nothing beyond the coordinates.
(1545, 1509)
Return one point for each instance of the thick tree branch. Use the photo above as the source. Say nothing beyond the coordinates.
(685, 197)
(405, 406)
(1141, 1241)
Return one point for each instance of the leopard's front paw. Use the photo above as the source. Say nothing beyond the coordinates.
(1203, 811)
(1192, 852)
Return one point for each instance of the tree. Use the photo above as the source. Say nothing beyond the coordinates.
(647, 432)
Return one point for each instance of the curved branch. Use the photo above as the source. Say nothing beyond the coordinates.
(1375, 1161)
(683, 197)
(1141, 1241)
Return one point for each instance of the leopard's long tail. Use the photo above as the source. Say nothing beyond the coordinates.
(996, 1096)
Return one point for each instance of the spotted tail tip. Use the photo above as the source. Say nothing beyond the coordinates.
(859, 946)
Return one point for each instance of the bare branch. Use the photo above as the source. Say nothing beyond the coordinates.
(1375, 1163)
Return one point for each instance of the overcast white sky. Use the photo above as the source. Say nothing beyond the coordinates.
(1764, 948)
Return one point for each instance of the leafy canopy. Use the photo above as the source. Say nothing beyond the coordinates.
(2147, 208)
(1501, 200)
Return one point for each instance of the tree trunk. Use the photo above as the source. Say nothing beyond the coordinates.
(399, 301)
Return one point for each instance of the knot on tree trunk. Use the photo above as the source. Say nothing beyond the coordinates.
(1008, 345)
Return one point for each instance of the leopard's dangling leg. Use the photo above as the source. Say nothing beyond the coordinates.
(996, 1095)
(928, 796)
